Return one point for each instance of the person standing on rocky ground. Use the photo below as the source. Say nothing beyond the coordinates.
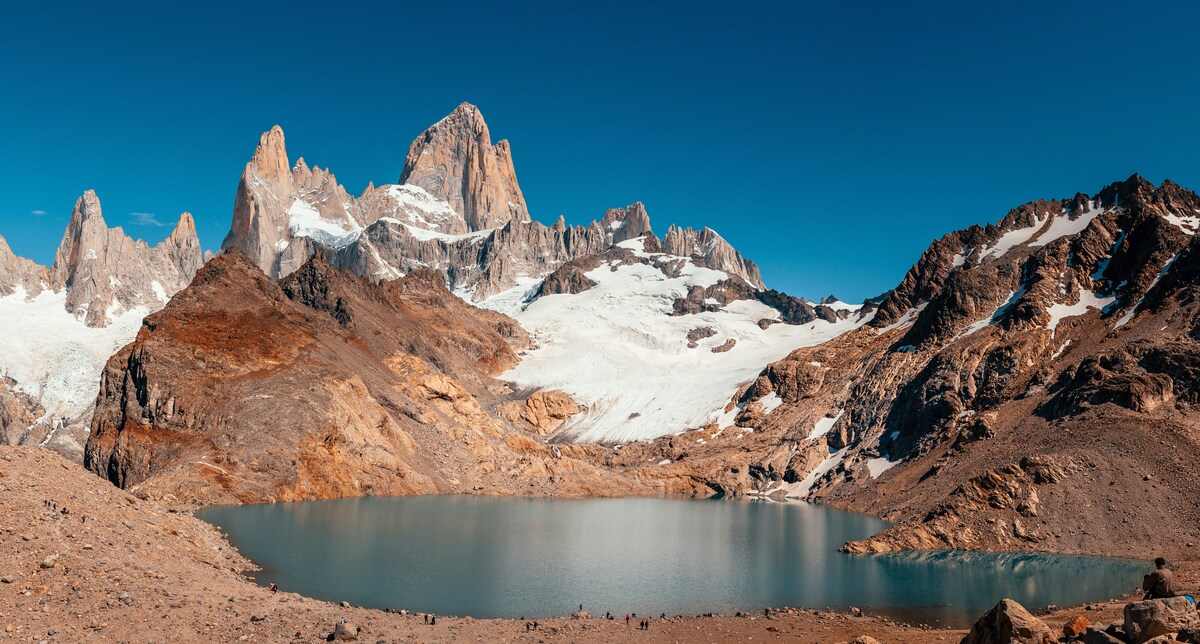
(1159, 584)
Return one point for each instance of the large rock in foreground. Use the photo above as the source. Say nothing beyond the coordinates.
(1148, 619)
(1009, 623)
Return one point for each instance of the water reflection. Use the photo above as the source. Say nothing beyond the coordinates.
(504, 557)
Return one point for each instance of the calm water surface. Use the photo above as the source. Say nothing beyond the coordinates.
(505, 557)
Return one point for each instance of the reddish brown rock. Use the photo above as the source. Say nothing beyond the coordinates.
(323, 385)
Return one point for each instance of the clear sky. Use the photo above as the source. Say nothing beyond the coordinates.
(830, 142)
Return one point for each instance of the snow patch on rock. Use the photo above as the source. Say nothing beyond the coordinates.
(801, 488)
(1087, 300)
(825, 424)
(1063, 225)
(877, 466)
(305, 221)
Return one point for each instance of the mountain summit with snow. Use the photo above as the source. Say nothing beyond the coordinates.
(59, 325)
(651, 335)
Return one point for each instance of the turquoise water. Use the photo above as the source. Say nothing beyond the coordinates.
(514, 557)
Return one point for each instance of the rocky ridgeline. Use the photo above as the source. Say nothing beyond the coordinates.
(1018, 369)
(457, 208)
(61, 321)
(104, 272)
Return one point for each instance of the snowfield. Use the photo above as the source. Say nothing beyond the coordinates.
(55, 357)
(617, 350)
(421, 209)
(305, 221)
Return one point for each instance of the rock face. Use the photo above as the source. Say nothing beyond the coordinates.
(454, 160)
(1009, 623)
(397, 394)
(19, 273)
(1146, 620)
(545, 410)
(58, 325)
(457, 209)
(713, 250)
(106, 273)
(1016, 369)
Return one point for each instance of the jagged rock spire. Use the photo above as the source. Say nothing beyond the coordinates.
(260, 220)
(627, 223)
(455, 160)
(106, 272)
(716, 252)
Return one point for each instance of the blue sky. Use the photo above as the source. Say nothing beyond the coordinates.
(829, 142)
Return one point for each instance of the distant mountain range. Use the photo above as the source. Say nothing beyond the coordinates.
(430, 336)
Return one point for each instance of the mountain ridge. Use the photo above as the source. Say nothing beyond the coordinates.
(60, 323)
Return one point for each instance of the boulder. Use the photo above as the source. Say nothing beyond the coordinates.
(1009, 623)
(1148, 619)
(581, 614)
(1077, 626)
(344, 632)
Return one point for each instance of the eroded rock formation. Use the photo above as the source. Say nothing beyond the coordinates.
(324, 385)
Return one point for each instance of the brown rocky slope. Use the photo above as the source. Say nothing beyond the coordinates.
(325, 384)
(1029, 385)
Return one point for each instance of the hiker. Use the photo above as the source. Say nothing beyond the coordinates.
(1159, 584)
(581, 608)
(626, 620)
(433, 620)
(426, 618)
(272, 587)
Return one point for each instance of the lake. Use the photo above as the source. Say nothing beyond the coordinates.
(529, 557)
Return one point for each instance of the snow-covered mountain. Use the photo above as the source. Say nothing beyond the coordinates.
(59, 325)
(622, 348)
(624, 321)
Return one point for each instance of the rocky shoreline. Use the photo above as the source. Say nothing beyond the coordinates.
(100, 564)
